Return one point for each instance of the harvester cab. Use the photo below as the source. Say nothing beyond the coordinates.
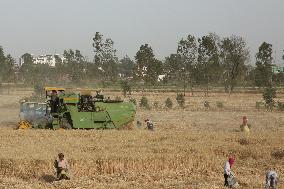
(55, 107)
(52, 95)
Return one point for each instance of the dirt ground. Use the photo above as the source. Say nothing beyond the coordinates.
(188, 148)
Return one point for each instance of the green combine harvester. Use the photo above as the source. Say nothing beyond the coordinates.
(76, 111)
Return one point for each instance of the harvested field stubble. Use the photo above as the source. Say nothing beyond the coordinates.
(183, 158)
(187, 149)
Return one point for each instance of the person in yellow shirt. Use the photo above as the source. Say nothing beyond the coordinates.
(245, 127)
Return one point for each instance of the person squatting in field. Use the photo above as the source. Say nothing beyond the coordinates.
(228, 174)
(271, 180)
(62, 167)
(149, 125)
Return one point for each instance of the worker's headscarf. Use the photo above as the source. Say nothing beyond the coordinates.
(231, 161)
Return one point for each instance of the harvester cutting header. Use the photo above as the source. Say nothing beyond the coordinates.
(63, 110)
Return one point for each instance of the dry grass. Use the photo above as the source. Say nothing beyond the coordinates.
(187, 150)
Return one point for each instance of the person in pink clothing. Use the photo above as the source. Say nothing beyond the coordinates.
(227, 171)
(62, 167)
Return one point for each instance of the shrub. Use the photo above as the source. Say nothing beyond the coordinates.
(280, 106)
(144, 103)
(156, 104)
(133, 100)
(126, 87)
(169, 103)
(180, 100)
(206, 104)
(269, 94)
(219, 104)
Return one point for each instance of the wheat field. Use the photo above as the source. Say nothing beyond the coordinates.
(188, 148)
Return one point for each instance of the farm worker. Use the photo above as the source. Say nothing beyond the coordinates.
(149, 124)
(54, 101)
(245, 127)
(99, 95)
(271, 179)
(62, 167)
(228, 172)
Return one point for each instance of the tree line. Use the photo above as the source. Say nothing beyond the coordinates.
(198, 62)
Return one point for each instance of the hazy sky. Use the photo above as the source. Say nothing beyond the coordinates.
(49, 26)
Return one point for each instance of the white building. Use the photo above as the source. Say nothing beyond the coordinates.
(44, 59)
(161, 77)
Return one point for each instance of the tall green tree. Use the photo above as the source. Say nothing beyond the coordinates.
(59, 67)
(27, 58)
(187, 49)
(6, 67)
(92, 71)
(35, 74)
(174, 66)
(208, 68)
(105, 56)
(27, 69)
(249, 78)
(98, 45)
(42, 74)
(234, 54)
(2, 62)
(126, 66)
(2, 55)
(74, 64)
(110, 61)
(10, 68)
(126, 87)
(263, 71)
(147, 67)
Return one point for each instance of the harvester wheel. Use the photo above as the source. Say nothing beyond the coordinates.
(24, 125)
(64, 124)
